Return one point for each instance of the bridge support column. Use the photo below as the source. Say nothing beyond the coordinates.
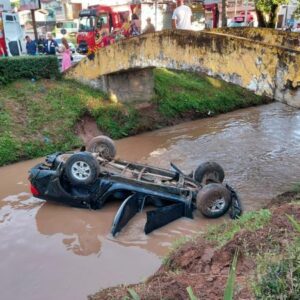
(130, 86)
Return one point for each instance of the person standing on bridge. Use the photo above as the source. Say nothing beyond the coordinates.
(135, 25)
(182, 16)
(149, 27)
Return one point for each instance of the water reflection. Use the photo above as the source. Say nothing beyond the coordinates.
(82, 231)
(80, 227)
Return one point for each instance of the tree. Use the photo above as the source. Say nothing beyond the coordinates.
(267, 11)
(296, 13)
(224, 19)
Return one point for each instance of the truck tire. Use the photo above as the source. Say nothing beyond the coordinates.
(61, 159)
(209, 172)
(213, 200)
(82, 169)
(104, 146)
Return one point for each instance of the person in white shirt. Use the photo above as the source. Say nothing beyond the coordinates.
(182, 16)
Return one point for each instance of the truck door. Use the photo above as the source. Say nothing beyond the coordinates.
(13, 34)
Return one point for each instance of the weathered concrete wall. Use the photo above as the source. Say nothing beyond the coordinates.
(265, 35)
(137, 85)
(263, 68)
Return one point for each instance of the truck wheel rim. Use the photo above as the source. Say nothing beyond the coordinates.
(218, 205)
(103, 150)
(81, 170)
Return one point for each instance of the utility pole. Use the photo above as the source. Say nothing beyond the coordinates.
(235, 4)
(246, 13)
(224, 19)
(156, 14)
(34, 24)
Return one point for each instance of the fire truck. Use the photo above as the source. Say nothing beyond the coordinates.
(11, 35)
(97, 22)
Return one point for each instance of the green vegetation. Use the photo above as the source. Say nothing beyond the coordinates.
(117, 120)
(278, 275)
(31, 67)
(133, 295)
(251, 221)
(296, 13)
(39, 117)
(191, 293)
(180, 93)
(229, 289)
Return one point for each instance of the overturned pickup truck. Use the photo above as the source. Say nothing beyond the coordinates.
(91, 177)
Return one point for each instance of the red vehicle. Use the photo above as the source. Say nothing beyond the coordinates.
(239, 21)
(11, 35)
(97, 23)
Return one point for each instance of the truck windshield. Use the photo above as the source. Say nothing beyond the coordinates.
(66, 25)
(87, 23)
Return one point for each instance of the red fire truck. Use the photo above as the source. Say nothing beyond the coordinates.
(11, 35)
(97, 22)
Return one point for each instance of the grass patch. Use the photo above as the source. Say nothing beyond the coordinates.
(296, 187)
(278, 276)
(250, 221)
(180, 92)
(39, 117)
(117, 120)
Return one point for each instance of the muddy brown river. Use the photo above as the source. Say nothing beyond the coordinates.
(50, 251)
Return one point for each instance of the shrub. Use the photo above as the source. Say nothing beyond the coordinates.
(12, 68)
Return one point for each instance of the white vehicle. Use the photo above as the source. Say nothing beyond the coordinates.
(11, 35)
(66, 28)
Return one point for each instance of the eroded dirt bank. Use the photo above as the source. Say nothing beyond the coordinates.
(203, 264)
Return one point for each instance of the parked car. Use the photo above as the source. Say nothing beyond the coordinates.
(89, 179)
(240, 21)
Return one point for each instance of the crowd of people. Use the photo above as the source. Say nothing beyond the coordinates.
(128, 29)
(181, 19)
(49, 46)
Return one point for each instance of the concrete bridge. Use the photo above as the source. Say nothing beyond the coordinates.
(263, 61)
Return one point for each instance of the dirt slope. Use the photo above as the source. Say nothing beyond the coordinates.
(204, 266)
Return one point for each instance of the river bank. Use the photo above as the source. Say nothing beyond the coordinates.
(258, 147)
(268, 245)
(39, 117)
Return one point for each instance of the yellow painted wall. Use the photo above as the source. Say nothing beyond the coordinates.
(262, 67)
